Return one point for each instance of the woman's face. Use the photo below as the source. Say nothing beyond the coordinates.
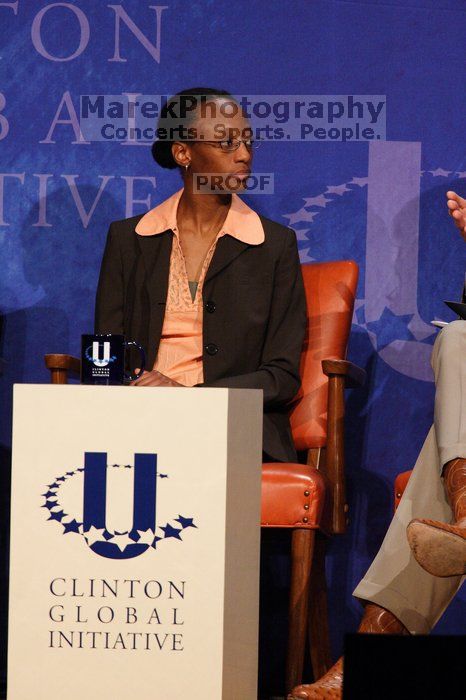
(209, 158)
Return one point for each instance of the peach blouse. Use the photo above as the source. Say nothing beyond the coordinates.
(180, 350)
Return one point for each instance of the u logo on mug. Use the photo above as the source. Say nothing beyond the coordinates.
(103, 359)
(95, 358)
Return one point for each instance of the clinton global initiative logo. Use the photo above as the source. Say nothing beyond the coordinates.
(113, 507)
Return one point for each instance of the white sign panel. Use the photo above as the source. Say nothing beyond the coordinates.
(135, 543)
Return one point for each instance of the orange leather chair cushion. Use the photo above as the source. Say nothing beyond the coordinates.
(293, 495)
(401, 482)
(330, 288)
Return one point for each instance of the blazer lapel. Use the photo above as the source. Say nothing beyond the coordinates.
(156, 252)
(227, 249)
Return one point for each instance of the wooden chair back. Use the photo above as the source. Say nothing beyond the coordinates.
(330, 292)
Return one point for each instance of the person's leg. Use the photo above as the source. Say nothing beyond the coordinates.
(449, 365)
(395, 580)
(376, 620)
(400, 596)
(438, 547)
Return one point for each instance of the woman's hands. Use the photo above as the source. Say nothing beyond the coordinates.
(154, 378)
(457, 209)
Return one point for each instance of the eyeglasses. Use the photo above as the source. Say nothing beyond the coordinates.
(230, 145)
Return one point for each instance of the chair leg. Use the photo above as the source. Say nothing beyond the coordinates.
(319, 638)
(302, 549)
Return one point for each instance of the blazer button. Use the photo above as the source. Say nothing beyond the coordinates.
(210, 307)
(211, 349)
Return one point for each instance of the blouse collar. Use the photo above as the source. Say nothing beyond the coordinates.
(241, 222)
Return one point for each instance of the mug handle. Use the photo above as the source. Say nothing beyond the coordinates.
(131, 377)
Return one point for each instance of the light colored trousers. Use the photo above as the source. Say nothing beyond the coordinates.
(395, 580)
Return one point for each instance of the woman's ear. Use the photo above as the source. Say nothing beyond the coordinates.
(181, 154)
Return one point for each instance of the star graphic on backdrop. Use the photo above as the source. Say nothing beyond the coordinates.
(163, 476)
(390, 327)
(58, 515)
(122, 540)
(49, 493)
(185, 522)
(61, 478)
(308, 215)
(440, 172)
(154, 544)
(72, 526)
(300, 215)
(359, 181)
(303, 242)
(319, 201)
(358, 303)
(53, 486)
(146, 536)
(81, 469)
(171, 531)
(94, 534)
(50, 504)
(70, 473)
(461, 174)
(360, 316)
(301, 236)
(337, 189)
(128, 466)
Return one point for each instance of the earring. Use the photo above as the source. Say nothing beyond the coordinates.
(186, 167)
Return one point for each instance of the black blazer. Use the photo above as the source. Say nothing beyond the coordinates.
(254, 313)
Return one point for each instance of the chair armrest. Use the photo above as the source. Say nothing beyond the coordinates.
(60, 365)
(341, 373)
(354, 375)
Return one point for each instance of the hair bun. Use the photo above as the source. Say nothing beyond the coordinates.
(162, 154)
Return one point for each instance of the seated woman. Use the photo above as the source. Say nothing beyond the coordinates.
(400, 597)
(211, 290)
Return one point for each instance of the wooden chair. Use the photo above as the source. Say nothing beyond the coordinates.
(60, 366)
(307, 497)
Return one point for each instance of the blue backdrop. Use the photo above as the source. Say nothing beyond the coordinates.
(382, 204)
